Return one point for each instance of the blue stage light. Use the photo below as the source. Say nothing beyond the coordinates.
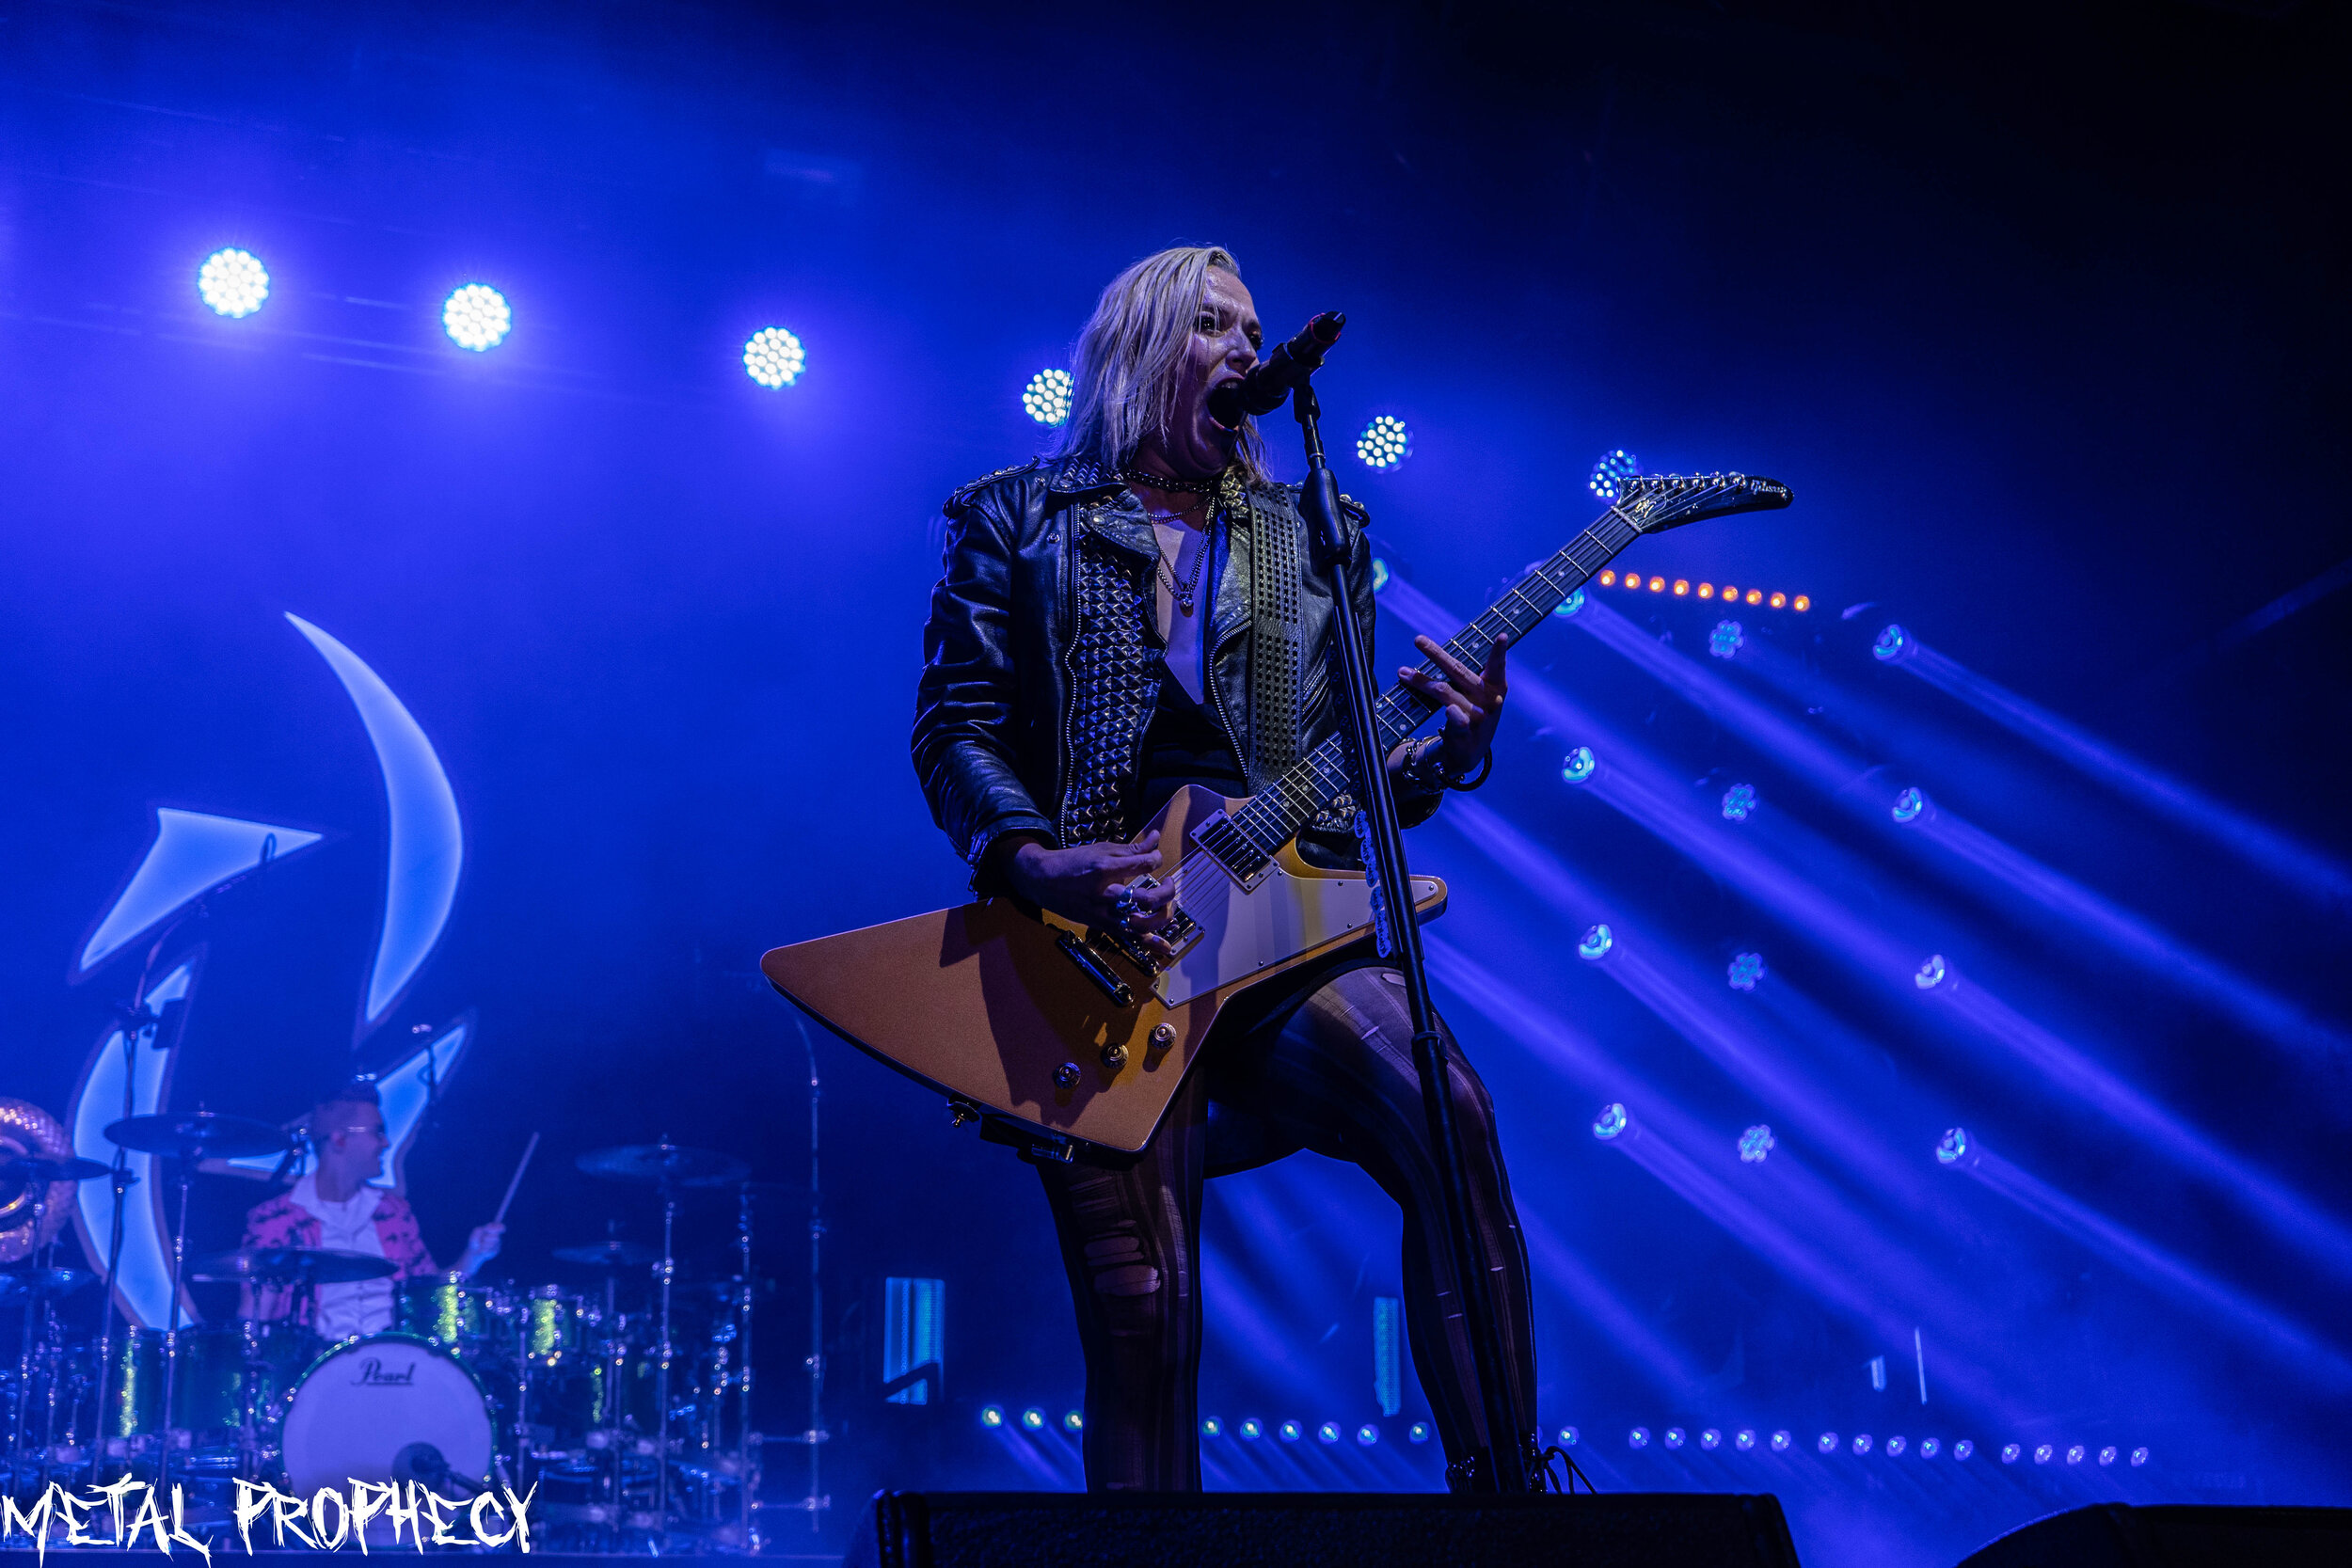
(1569, 1438)
(476, 317)
(1578, 765)
(1892, 643)
(1595, 942)
(1675, 1437)
(1251, 1429)
(1755, 1143)
(1212, 1427)
(1928, 1448)
(1367, 1435)
(1327, 1432)
(2011, 1453)
(2076, 1453)
(1046, 398)
(774, 358)
(2107, 1455)
(1290, 1432)
(233, 282)
(1781, 1441)
(991, 1416)
(1963, 1450)
(1073, 1420)
(1711, 1439)
(1893, 1447)
(1827, 1442)
(1862, 1442)
(2139, 1457)
(1379, 574)
(1907, 805)
(1726, 638)
(1033, 1418)
(1745, 970)
(1952, 1147)
(2044, 1453)
(1638, 1437)
(1930, 974)
(1615, 466)
(1385, 442)
(1744, 1439)
(1611, 1122)
(1739, 803)
(1570, 605)
(1417, 1433)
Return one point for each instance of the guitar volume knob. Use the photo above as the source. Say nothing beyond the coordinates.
(1163, 1036)
(1115, 1055)
(1066, 1076)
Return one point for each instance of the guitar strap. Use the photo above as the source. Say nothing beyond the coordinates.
(1275, 654)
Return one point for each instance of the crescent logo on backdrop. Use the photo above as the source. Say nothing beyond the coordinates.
(194, 853)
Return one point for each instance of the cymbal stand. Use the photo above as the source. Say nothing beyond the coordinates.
(666, 1352)
(747, 1467)
(138, 1020)
(183, 1173)
(33, 1301)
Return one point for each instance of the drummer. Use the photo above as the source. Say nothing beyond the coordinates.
(334, 1206)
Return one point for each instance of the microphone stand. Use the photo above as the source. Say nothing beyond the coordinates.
(1501, 1466)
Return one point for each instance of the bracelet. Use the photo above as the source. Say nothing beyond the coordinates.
(1478, 775)
(1427, 772)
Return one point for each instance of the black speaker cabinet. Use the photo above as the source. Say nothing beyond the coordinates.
(1300, 1530)
(2114, 1535)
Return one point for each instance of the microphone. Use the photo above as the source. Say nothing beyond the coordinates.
(1271, 379)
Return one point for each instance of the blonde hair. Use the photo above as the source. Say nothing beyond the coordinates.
(1129, 359)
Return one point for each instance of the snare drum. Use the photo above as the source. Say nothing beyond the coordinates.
(472, 1320)
(364, 1401)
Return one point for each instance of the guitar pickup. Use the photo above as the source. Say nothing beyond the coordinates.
(1179, 933)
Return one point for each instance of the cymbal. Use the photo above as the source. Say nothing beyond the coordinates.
(278, 1265)
(608, 1255)
(201, 1133)
(666, 1163)
(29, 1168)
(43, 1282)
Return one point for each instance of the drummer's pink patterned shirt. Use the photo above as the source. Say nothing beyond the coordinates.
(282, 1222)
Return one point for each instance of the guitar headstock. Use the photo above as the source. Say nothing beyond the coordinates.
(1656, 502)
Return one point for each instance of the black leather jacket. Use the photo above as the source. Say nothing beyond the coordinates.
(992, 740)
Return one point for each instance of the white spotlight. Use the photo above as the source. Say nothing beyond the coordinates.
(476, 317)
(774, 358)
(233, 283)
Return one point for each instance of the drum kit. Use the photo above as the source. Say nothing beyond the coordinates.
(627, 1401)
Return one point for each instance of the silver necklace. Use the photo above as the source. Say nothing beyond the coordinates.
(1184, 592)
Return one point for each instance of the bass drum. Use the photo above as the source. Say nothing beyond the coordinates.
(364, 1401)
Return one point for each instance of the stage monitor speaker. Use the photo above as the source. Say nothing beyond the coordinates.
(2116, 1535)
(1303, 1529)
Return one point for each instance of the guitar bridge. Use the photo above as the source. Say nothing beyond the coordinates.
(1179, 933)
(1091, 964)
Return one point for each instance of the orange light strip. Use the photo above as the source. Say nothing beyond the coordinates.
(1683, 588)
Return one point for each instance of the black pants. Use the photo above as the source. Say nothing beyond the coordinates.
(1336, 1076)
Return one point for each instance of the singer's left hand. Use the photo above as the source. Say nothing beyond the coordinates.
(1472, 700)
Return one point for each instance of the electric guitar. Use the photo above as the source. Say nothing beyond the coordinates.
(1054, 1032)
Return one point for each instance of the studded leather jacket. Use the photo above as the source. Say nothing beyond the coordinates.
(1042, 663)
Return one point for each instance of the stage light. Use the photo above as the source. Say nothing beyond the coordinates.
(1778, 601)
(1682, 586)
(2076, 1453)
(1073, 1420)
(1595, 942)
(1251, 1429)
(1611, 1121)
(1781, 1441)
(991, 1416)
(1726, 639)
(1744, 1440)
(774, 358)
(1826, 1443)
(1711, 1439)
(1212, 1427)
(1033, 1418)
(1578, 765)
(2044, 1453)
(1674, 1438)
(2139, 1457)
(1756, 595)
(2011, 1453)
(1634, 580)
(1894, 1448)
(1379, 574)
(1861, 1443)
(1046, 398)
(1615, 466)
(1607, 577)
(1570, 605)
(1739, 803)
(1707, 590)
(1963, 1450)
(1327, 1432)
(1893, 642)
(1638, 1438)
(1417, 1433)
(1385, 442)
(1658, 585)
(1290, 1432)
(1952, 1147)
(1367, 1435)
(1731, 595)
(1801, 604)
(2107, 1455)
(475, 317)
(1928, 1448)
(1745, 970)
(1909, 804)
(1930, 974)
(1569, 1438)
(233, 282)
(1755, 1143)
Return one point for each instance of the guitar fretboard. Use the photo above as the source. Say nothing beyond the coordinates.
(1276, 814)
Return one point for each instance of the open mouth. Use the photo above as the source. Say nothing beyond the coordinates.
(1224, 402)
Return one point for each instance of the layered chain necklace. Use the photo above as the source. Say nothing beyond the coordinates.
(1187, 592)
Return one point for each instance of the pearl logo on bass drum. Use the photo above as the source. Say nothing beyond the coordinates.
(373, 1376)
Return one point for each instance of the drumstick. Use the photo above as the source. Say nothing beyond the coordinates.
(529, 1150)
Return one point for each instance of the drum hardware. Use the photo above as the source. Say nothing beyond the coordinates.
(287, 1265)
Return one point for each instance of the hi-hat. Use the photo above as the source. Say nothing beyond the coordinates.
(666, 1163)
(201, 1135)
(608, 1255)
(280, 1265)
(42, 1282)
(34, 1170)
